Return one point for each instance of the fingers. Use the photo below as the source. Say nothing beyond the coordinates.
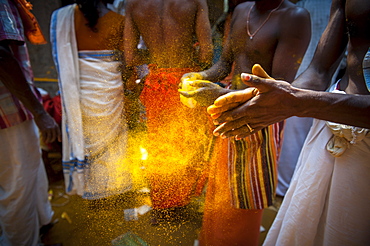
(235, 97)
(261, 84)
(185, 76)
(45, 137)
(242, 132)
(203, 83)
(227, 130)
(260, 72)
(227, 127)
(49, 129)
(191, 76)
(48, 136)
(52, 134)
(216, 111)
(187, 93)
(59, 134)
(250, 129)
(216, 115)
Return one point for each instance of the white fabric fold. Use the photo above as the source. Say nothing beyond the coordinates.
(93, 122)
(327, 202)
(65, 55)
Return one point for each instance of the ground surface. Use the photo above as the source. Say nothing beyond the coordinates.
(82, 223)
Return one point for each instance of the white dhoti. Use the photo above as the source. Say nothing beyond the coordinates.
(327, 202)
(93, 123)
(24, 204)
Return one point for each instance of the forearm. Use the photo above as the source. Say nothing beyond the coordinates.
(204, 36)
(12, 77)
(217, 72)
(314, 78)
(340, 108)
(329, 52)
(205, 56)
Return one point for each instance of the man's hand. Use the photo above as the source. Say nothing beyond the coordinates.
(230, 100)
(234, 99)
(190, 76)
(273, 103)
(244, 112)
(204, 93)
(49, 129)
(13, 78)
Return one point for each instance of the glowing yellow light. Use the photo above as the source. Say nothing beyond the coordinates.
(144, 153)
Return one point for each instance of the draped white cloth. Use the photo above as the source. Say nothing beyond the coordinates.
(328, 200)
(93, 123)
(24, 204)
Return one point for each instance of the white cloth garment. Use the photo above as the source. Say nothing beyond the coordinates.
(93, 123)
(24, 204)
(328, 200)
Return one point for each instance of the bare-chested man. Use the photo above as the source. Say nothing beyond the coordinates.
(177, 34)
(169, 30)
(275, 34)
(326, 203)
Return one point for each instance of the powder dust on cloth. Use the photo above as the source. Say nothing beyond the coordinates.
(241, 183)
(94, 126)
(180, 140)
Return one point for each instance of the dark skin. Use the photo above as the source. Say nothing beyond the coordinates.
(168, 28)
(12, 77)
(276, 101)
(278, 45)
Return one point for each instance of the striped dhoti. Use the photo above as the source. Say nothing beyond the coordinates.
(252, 168)
(241, 183)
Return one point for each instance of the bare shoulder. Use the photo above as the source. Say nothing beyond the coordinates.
(242, 7)
(239, 12)
(294, 22)
(132, 2)
(293, 12)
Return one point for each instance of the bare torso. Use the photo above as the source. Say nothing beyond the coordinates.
(169, 28)
(358, 16)
(277, 46)
(348, 27)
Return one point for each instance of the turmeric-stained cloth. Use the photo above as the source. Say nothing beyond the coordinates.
(179, 140)
(241, 183)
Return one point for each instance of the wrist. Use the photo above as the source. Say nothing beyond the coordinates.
(203, 75)
(38, 112)
(205, 65)
(304, 101)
